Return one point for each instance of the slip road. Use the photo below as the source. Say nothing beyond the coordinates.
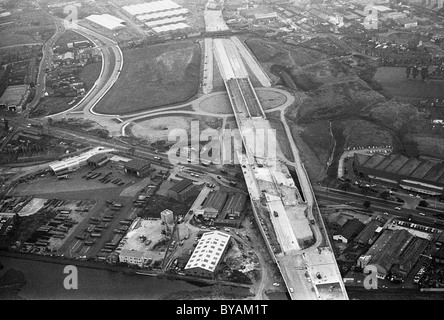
(224, 309)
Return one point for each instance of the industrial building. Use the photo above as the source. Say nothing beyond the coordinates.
(349, 231)
(408, 258)
(71, 164)
(411, 174)
(151, 7)
(214, 203)
(14, 98)
(171, 27)
(162, 15)
(386, 251)
(182, 190)
(370, 233)
(98, 160)
(133, 257)
(107, 21)
(233, 206)
(208, 254)
(161, 22)
(137, 167)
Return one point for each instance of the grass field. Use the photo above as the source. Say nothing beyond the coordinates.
(52, 105)
(90, 73)
(153, 77)
(69, 36)
(393, 80)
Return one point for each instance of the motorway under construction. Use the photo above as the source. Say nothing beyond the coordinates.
(304, 256)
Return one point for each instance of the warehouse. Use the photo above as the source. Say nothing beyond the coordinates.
(214, 204)
(107, 21)
(71, 164)
(182, 190)
(411, 174)
(171, 27)
(408, 258)
(349, 231)
(234, 205)
(98, 160)
(137, 167)
(14, 98)
(151, 7)
(155, 23)
(162, 15)
(208, 254)
(369, 234)
(385, 251)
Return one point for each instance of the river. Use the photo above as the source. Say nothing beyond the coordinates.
(45, 281)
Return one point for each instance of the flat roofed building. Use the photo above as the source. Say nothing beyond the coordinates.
(182, 190)
(167, 216)
(208, 254)
(132, 257)
(107, 21)
(138, 167)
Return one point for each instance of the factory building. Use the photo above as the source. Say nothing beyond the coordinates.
(71, 164)
(408, 258)
(214, 203)
(208, 254)
(411, 174)
(98, 160)
(182, 190)
(369, 234)
(349, 231)
(386, 251)
(137, 167)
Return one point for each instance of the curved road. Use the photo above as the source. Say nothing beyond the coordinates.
(112, 63)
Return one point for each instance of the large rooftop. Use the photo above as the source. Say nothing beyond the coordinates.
(209, 251)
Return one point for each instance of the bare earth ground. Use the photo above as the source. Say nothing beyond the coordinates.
(157, 129)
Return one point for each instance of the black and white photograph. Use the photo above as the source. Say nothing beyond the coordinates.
(222, 157)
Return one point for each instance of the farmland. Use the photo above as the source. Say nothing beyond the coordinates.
(153, 77)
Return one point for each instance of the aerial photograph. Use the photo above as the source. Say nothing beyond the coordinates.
(214, 150)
